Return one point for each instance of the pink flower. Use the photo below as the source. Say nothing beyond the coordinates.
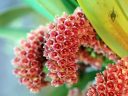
(62, 72)
(63, 40)
(91, 92)
(29, 60)
(61, 48)
(62, 44)
(113, 81)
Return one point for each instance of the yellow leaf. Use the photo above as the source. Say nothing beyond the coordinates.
(110, 20)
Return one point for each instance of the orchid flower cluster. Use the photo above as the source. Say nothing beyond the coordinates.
(60, 46)
(111, 82)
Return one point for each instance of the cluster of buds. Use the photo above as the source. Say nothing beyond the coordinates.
(113, 81)
(63, 40)
(59, 43)
(29, 61)
(89, 38)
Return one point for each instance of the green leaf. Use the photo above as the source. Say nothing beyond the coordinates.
(70, 7)
(12, 14)
(36, 4)
(123, 6)
(59, 91)
(54, 91)
(12, 34)
(51, 8)
(93, 54)
(107, 61)
(45, 69)
(85, 79)
(110, 20)
(74, 2)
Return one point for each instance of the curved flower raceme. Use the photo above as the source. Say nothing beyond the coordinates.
(61, 48)
(29, 60)
(60, 44)
(112, 82)
(89, 38)
(63, 40)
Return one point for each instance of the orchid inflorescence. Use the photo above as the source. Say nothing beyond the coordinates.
(113, 81)
(29, 60)
(60, 46)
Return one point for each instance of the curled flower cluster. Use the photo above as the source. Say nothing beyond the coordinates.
(113, 81)
(89, 38)
(63, 40)
(60, 43)
(29, 61)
